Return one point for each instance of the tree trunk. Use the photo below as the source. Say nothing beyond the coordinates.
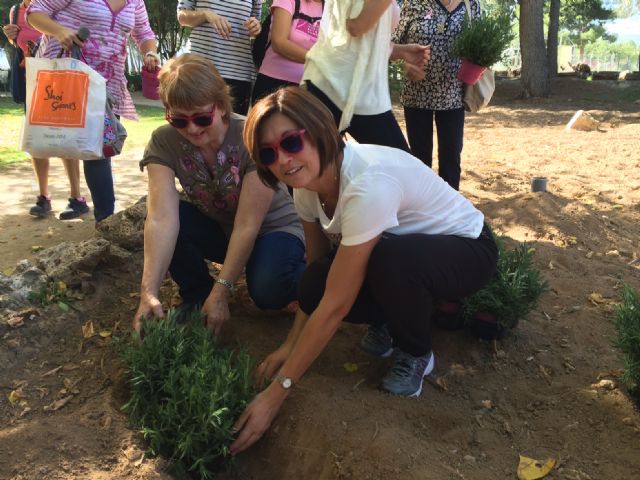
(535, 71)
(552, 37)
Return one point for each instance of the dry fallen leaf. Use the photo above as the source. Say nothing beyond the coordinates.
(88, 330)
(442, 383)
(596, 298)
(590, 254)
(36, 248)
(17, 395)
(351, 367)
(106, 422)
(25, 411)
(52, 371)
(15, 321)
(58, 404)
(530, 469)
(105, 333)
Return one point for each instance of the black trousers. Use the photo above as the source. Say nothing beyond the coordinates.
(241, 93)
(404, 275)
(381, 129)
(265, 85)
(450, 130)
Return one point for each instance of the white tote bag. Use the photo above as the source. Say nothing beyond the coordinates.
(65, 109)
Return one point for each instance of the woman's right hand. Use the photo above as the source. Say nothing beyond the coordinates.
(67, 38)
(220, 24)
(150, 306)
(274, 361)
(11, 31)
(414, 73)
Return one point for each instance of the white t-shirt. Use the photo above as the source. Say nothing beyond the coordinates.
(351, 71)
(384, 189)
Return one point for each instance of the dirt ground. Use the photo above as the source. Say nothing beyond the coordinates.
(533, 393)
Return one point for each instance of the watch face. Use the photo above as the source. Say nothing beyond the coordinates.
(286, 382)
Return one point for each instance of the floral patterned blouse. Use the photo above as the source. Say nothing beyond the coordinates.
(428, 22)
(106, 48)
(214, 186)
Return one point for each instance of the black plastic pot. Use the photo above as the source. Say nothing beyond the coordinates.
(485, 325)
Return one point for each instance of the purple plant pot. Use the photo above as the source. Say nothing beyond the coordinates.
(485, 325)
(469, 72)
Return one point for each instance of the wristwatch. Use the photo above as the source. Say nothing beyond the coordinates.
(284, 381)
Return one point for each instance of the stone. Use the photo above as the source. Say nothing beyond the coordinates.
(15, 289)
(69, 261)
(582, 121)
(126, 228)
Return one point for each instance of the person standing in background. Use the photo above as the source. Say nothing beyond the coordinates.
(436, 91)
(110, 23)
(294, 30)
(21, 35)
(222, 32)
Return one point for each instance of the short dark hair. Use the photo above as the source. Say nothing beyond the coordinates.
(307, 112)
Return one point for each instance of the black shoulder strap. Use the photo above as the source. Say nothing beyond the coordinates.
(307, 18)
(14, 13)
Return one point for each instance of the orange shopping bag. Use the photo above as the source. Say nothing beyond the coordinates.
(65, 109)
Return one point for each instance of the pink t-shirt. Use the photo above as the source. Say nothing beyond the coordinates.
(302, 33)
(26, 33)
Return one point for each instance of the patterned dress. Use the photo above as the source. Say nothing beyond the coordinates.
(428, 22)
(106, 49)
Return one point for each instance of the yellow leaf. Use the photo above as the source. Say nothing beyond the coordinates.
(589, 255)
(105, 333)
(531, 250)
(596, 298)
(36, 248)
(8, 271)
(351, 367)
(62, 286)
(16, 396)
(618, 207)
(530, 469)
(87, 329)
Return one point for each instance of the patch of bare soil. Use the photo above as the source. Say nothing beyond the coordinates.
(534, 393)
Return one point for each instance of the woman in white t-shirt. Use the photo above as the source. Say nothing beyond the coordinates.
(385, 236)
(294, 30)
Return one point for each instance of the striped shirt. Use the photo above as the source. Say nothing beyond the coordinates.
(106, 49)
(231, 57)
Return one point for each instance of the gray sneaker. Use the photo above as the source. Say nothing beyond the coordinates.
(42, 208)
(407, 374)
(377, 341)
(75, 208)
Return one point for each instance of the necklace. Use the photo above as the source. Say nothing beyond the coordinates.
(448, 3)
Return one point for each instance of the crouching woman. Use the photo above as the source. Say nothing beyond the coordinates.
(229, 216)
(385, 237)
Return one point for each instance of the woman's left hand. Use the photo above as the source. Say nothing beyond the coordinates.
(257, 417)
(253, 26)
(151, 61)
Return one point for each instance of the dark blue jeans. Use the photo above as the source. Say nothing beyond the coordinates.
(99, 178)
(273, 270)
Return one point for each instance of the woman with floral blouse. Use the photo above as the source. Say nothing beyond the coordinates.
(439, 94)
(229, 217)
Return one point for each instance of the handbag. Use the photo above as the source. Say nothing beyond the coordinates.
(114, 132)
(65, 107)
(478, 95)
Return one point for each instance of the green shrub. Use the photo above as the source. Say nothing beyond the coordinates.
(484, 40)
(186, 391)
(513, 291)
(627, 324)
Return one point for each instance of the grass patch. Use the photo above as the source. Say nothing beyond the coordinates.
(12, 115)
(186, 391)
(627, 324)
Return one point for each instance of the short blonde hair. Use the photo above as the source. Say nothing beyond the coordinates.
(191, 81)
(307, 112)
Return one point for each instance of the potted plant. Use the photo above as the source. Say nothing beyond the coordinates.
(511, 294)
(481, 44)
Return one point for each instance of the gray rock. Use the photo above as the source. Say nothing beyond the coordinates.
(126, 228)
(15, 289)
(69, 260)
